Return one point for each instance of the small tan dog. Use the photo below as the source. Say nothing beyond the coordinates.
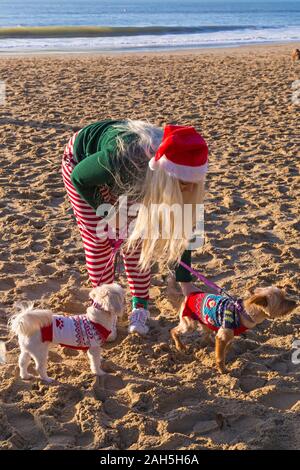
(296, 55)
(37, 328)
(228, 318)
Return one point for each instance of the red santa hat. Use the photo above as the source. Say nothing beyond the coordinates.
(183, 153)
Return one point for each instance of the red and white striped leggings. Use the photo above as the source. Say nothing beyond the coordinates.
(98, 250)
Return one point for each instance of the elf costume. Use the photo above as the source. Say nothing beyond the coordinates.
(89, 164)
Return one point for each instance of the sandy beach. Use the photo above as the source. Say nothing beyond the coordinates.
(153, 397)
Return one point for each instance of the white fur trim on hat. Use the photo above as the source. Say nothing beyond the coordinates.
(190, 174)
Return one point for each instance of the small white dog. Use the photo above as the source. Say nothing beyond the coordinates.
(36, 328)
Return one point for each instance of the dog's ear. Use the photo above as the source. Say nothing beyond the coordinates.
(116, 304)
(260, 300)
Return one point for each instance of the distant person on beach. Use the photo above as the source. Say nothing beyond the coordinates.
(149, 165)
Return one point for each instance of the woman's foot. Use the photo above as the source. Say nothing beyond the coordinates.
(138, 320)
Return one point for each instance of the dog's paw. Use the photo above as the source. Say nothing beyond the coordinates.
(27, 377)
(181, 347)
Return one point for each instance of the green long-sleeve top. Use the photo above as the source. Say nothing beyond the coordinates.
(95, 151)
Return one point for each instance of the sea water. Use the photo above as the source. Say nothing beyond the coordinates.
(144, 24)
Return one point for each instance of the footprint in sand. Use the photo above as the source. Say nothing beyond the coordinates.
(7, 284)
(188, 422)
(12, 268)
(281, 400)
(284, 365)
(106, 386)
(250, 382)
(234, 240)
(128, 436)
(178, 399)
(25, 433)
(114, 408)
(44, 269)
(236, 429)
(37, 291)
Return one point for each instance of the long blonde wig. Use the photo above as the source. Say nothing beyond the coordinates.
(156, 191)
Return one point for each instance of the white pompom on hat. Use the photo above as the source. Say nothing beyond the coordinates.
(183, 153)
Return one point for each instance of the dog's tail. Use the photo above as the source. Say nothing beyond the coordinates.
(27, 320)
